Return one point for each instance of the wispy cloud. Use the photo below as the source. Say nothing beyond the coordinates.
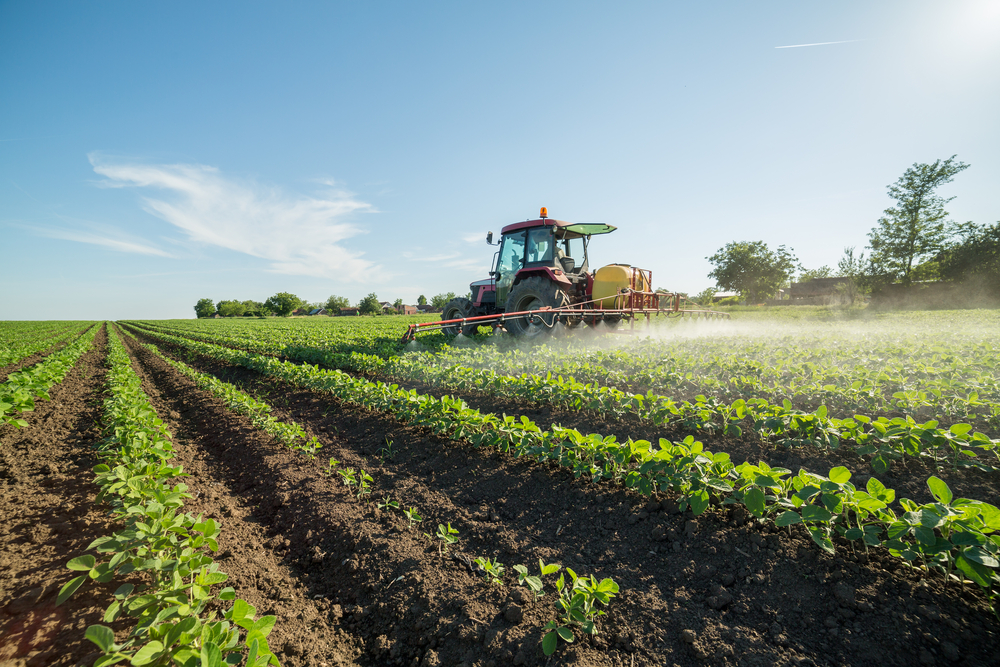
(298, 234)
(799, 46)
(108, 239)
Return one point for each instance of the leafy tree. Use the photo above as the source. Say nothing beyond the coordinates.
(397, 303)
(915, 228)
(752, 269)
(821, 272)
(231, 308)
(976, 257)
(204, 308)
(253, 307)
(370, 305)
(421, 300)
(441, 300)
(706, 297)
(283, 304)
(335, 303)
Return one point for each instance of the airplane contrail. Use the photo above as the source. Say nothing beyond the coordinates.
(795, 46)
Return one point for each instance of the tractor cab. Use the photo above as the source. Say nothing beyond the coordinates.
(552, 249)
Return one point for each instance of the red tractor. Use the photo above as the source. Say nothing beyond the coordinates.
(541, 276)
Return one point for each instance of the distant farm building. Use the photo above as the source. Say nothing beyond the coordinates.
(349, 311)
(318, 311)
(407, 310)
(818, 291)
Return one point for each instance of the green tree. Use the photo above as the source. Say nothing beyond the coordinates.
(821, 272)
(370, 305)
(752, 269)
(975, 257)
(916, 227)
(706, 297)
(231, 308)
(253, 307)
(283, 304)
(204, 308)
(421, 300)
(441, 300)
(335, 303)
(397, 303)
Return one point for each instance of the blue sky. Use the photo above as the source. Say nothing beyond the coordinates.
(152, 154)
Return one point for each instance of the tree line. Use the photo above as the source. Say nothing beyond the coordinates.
(913, 241)
(284, 304)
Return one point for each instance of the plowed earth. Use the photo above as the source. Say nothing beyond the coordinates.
(350, 582)
(48, 517)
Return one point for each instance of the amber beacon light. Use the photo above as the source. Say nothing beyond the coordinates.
(544, 213)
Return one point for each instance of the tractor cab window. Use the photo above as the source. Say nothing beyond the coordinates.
(572, 248)
(512, 253)
(540, 245)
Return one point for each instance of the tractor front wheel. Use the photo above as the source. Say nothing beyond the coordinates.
(456, 309)
(531, 294)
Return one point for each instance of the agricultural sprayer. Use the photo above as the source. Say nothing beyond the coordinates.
(541, 277)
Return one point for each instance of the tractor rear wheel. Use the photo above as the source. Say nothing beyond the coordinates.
(457, 309)
(531, 294)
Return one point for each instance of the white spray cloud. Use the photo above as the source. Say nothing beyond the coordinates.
(300, 235)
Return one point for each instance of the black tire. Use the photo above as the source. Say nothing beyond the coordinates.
(531, 294)
(457, 309)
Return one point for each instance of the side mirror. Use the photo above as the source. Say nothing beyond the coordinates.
(489, 237)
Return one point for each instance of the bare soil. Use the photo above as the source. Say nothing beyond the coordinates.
(48, 517)
(355, 584)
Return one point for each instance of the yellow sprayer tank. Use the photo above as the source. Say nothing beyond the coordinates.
(611, 279)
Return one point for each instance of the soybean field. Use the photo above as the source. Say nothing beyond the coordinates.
(790, 487)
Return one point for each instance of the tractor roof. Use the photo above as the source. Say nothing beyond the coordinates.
(581, 228)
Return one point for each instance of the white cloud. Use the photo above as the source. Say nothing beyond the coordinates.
(119, 244)
(300, 235)
(474, 238)
(799, 46)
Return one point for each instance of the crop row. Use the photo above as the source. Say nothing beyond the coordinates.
(883, 439)
(578, 597)
(872, 369)
(290, 434)
(955, 536)
(21, 389)
(21, 344)
(162, 549)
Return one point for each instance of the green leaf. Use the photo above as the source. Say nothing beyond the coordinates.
(840, 475)
(69, 588)
(816, 513)
(147, 653)
(211, 656)
(754, 500)
(550, 642)
(103, 636)
(880, 464)
(980, 574)
(788, 518)
(264, 624)
(939, 489)
(822, 539)
(566, 634)
(82, 563)
(699, 501)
